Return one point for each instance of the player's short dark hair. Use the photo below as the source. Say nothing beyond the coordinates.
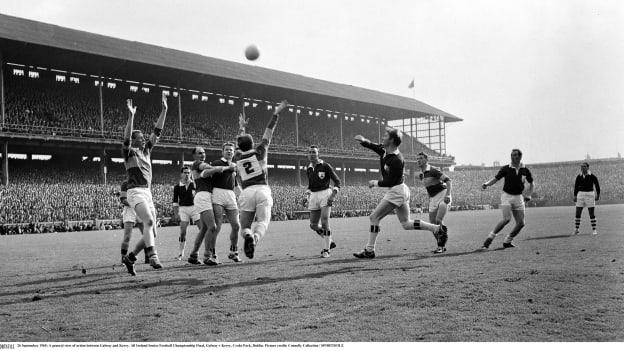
(423, 155)
(314, 147)
(185, 168)
(518, 151)
(245, 142)
(585, 164)
(394, 135)
(227, 143)
(194, 150)
(135, 132)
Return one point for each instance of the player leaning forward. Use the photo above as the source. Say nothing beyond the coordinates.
(397, 196)
(438, 187)
(512, 198)
(251, 165)
(137, 154)
(321, 197)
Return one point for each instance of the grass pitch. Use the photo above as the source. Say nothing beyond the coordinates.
(552, 287)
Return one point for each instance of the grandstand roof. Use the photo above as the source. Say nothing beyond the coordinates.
(47, 35)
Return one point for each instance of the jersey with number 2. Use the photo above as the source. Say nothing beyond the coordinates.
(252, 166)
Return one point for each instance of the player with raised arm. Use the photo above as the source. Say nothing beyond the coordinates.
(585, 196)
(321, 197)
(255, 201)
(224, 189)
(183, 205)
(137, 154)
(438, 187)
(512, 198)
(392, 166)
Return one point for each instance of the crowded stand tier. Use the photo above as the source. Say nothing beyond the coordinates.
(72, 197)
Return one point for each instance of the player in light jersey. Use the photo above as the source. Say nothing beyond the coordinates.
(137, 154)
(251, 165)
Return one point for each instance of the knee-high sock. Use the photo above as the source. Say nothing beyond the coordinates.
(372, 237)
(327, 239)
(593, 222)
(577, 222)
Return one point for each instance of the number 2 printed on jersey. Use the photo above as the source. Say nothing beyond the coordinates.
(249, 168)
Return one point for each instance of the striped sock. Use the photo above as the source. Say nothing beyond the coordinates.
(233, 249)
(372, 237)
(577, 223)
(593, 223)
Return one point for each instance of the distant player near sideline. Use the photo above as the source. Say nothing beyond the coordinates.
(137, 159)
(251, 164)
(224, 199)
(397, 196)
(438, 187)
(183, 205)
(584, 196)
(321, 197)
(512, 198)
(129, 219)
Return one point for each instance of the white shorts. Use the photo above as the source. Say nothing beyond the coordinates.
(255, 196)
(129, 215)
(436, 200)
(203, 201)
(398, 195)
(224, 198)
(140, 195)
(516, 202)
(586, 199)
(318, 199)
(187, 213)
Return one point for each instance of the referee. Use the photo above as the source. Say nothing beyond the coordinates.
(584, 196)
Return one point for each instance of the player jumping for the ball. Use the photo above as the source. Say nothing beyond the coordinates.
(321, 197)
(584, 196)
(255, 200)
(137, 160)
(438, 187)
(397, 197)
(512, 199)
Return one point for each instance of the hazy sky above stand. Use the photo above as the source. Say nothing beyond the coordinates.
(544, 76)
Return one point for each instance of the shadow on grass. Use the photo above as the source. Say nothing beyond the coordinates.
(549, 237)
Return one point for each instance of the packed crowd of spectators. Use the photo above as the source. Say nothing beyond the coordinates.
(46, 106)
(46, 196)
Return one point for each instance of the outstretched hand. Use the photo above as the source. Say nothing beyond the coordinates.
(282, 105)
(359, 138)
(242, 122)
(131, 108)
(164, 101)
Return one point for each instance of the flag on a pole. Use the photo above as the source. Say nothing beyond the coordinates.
(411, 85)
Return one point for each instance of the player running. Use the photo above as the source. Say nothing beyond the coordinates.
(321, 197)
(129, 219)
(397, 197)
(438, 187)
(137, 154)
(584, 196)
(512, 199)
(224, 199)
(183, 205)
(251, 164)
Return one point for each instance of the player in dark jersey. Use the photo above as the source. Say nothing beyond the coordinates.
(585, 196)
(224, 199)
(183, 205)
(512, 198)
(438, 187)
(321, 197)
(137, 154)
(397, 197)
(255, 200)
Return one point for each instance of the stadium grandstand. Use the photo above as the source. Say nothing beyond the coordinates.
(62, 102)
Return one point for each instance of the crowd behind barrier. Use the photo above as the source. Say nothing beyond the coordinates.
(47, 196)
